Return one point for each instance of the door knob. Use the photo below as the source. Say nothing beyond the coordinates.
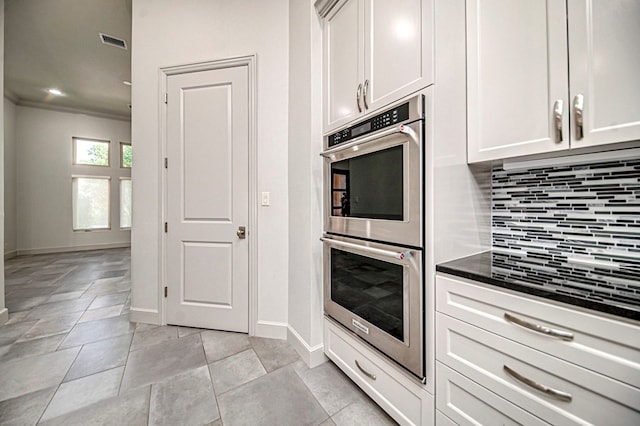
(242, 232)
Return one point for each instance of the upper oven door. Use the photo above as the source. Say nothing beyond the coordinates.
(374, 186)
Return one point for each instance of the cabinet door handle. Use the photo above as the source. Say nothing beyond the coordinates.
(557, 394)
(578, 112)
(365, 372)
(358, 94)
(364, 93)
(557, 119)
(560, 334)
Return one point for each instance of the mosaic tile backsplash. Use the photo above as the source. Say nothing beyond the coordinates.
(579, 214)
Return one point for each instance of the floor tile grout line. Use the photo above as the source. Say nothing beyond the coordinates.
(59, 384)
(213, 388)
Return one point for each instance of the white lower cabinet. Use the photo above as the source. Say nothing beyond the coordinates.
(402, 397)
(492, 371)
(462, 401)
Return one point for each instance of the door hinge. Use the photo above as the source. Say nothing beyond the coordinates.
(166, 98)
(165, 291)
(166, 227)
(166, 163)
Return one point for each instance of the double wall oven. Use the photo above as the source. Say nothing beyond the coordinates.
(374, 231)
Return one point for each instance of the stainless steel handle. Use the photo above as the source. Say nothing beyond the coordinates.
(365, 372)
(358, 94)
(399, 129)
(557, 119)
(557, 394)
(578, 112)
(241, 232)
(387, 253)
(559, 334)
(364, 93)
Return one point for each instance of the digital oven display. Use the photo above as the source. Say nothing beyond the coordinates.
(357, 131)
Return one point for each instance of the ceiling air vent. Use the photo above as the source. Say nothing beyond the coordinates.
(113, 41)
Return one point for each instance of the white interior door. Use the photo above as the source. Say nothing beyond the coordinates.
(207, 199)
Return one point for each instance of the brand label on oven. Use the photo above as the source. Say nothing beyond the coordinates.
(359, 326)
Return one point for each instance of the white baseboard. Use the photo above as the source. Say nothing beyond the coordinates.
(271, 330)
(312, 356)
(146, 316)
(4, 315)
(10, 254)
(73, 248)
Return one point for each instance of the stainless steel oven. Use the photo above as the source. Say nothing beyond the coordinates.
(374, 176)
(376, 291)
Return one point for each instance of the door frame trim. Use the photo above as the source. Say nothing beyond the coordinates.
(252, 236)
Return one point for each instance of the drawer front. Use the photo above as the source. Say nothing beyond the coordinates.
(401, 397)
(467, 403)
(482, 357)
(600, 344)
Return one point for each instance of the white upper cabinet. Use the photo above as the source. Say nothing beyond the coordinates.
(516, 73)
(343, 48)
(604, 68)
(375, 52)
(531, 82)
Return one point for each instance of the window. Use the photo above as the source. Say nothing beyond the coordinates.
(91, 203)
(125, 203)
(91, 152)
(126, 155)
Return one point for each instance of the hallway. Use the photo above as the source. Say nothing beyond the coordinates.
(70, 356)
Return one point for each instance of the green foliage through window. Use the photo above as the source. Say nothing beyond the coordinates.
(90, 152)
(126, 154)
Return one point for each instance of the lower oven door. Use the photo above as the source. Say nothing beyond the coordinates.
(376, 291)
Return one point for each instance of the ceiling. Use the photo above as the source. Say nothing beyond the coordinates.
(55, 44)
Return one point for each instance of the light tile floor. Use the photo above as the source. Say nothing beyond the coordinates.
(70, 356)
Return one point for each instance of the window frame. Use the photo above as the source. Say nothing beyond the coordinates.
(74, 159)
(122, 145)
(74, 203)
(123, 178)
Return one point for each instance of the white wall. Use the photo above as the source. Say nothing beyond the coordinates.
(4, 314)
(168, 33)
(44, 170)
(10, 210)
(305, 180)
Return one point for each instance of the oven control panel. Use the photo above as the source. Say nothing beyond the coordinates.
(385, 119)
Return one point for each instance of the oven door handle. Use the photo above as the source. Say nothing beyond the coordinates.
(401, 255)
(403, 128)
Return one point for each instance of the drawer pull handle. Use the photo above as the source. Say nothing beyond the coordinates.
(564, 335)
(365, 372)
(562, 396)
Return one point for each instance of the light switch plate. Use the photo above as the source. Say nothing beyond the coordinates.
(266, 198)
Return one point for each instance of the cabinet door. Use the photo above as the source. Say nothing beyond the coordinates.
(516, 72)
(398, 53)
(343, 52)
(604, 68)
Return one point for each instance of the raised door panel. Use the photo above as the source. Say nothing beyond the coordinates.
(343, 50)
(516, 72)
(398, 53)
(604, 65)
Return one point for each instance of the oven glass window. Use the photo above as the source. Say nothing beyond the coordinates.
(370, 288)
(369, 186)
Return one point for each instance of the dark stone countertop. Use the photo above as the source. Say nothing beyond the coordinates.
(613, 290)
